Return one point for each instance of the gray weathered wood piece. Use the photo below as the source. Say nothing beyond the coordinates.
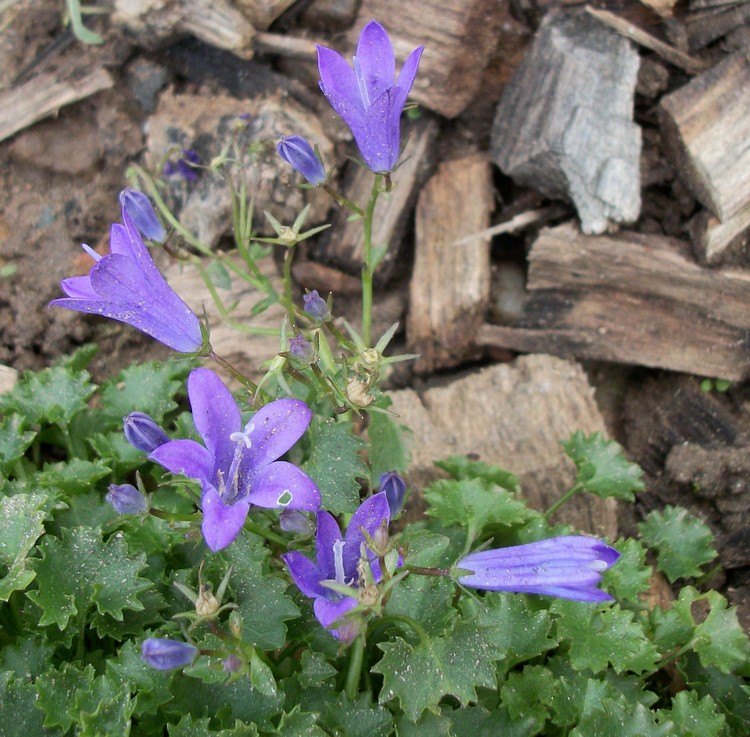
(564, 125)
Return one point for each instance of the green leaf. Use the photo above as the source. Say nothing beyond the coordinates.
(299, 724)
(463, 468)
(632, 575)
(386, 448)
(335, 464)
(693, 717)
(315, 669)
(189, 727)
(219, 275)
(474, 504)
(524, 694)
(21, 525)
(28, 657)
(52, 396)
(13, 441)
(57, 691)
(601, 638)
(261, 675)
(260, 595)
(359, 718)
(21, 716)
(602, 467)
(429, 725)
(79, 570)
(683, 543)
(74, 476)
(420, 675)
(104, 709)
(613, 719)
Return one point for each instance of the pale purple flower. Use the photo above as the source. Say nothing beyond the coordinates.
(143, 432)
(300, 347)
(183, 166)
(395, 490)
(164, 654)
(315, 306)
(126, 286)
(369, 97)
(143, 215)
(336, 560)
(126, 499)
(295, 150)
(569, 567)
(237, 466)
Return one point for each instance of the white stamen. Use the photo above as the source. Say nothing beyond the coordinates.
(338, 560)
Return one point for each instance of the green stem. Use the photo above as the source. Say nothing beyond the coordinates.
(173, 516)
(266, 534)
(564, 498)
(234, 372)
(287, 276)
(367, 269)
(411, 624)
(422, 571)
(354, 672)
(343, 201)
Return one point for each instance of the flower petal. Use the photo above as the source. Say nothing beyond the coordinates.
(327, 612)
(215, 414)
(338, 77)
(78, 287)
(409, 70)
(274, 429)
(327, 533)
(282, 484)
(221, 523)
(368, 517)
(374, 63)
(185, 456)
(305, 573)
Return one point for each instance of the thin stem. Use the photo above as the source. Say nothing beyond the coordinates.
(354, 672)
(234, 372)
(265, 533)
(173, 516)
(411, 624)
(422, 571)
(564, 498)
(343, 201)
(288, 301)
(367, 267)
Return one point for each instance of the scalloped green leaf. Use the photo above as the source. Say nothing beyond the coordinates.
(57, 691)
(463, 468)
(21, 715)
(14, 440)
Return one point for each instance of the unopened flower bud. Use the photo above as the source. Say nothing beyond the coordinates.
(302, 348)
(235, 624)
(126, 499)
(164, 654)
(358, 393)
(295, 150)
(143, 433)
(292, 520)
(206, 604)
(232, 664)
(315, 306)
(142, 213)
(395, 490)
(380, 540)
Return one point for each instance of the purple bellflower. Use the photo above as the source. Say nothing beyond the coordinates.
(143, 432)
(164, 654)
(569, 567)
(337, 557)
(126, 286)
(369, 97)
(143, 215)
(295, 150)
(126, 499)
(238, 467)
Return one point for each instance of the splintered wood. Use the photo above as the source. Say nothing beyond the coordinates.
(450, 284)
(631, 298)
(564, 125)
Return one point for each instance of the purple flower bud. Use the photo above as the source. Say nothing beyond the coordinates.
(232, 664)
(165, 654)
(395, 490)
(144, 433)
(315, 306)
(182, 165)
(296, 151)
(291, 520)
(142, 213)
(126, 499)
(301, 348)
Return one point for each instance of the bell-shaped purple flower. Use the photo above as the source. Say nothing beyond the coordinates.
(143, 432)
(143, 215)
(126, 286)
(295, 150)
(237, 466)
(395, 490)
(315, 306)
(336, 560)
(164, 654)
(569, 567)
(369, 97)
(126, 499)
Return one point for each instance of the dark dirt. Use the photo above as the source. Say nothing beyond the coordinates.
(59, 182)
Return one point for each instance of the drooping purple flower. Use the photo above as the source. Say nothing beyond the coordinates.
(126, 499)
(183, 165)
(237, 466)
(569, 567)
(143, 432)
(126, 286)
(143, 215)
(315, 306)
(369, 97)
(336, 560)
(395, 490)
(164, 654)
(295, 150)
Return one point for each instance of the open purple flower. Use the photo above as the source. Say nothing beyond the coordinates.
(126, 286)
(369, 97)
(569, 567)
(336, 560)
(237, 466)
